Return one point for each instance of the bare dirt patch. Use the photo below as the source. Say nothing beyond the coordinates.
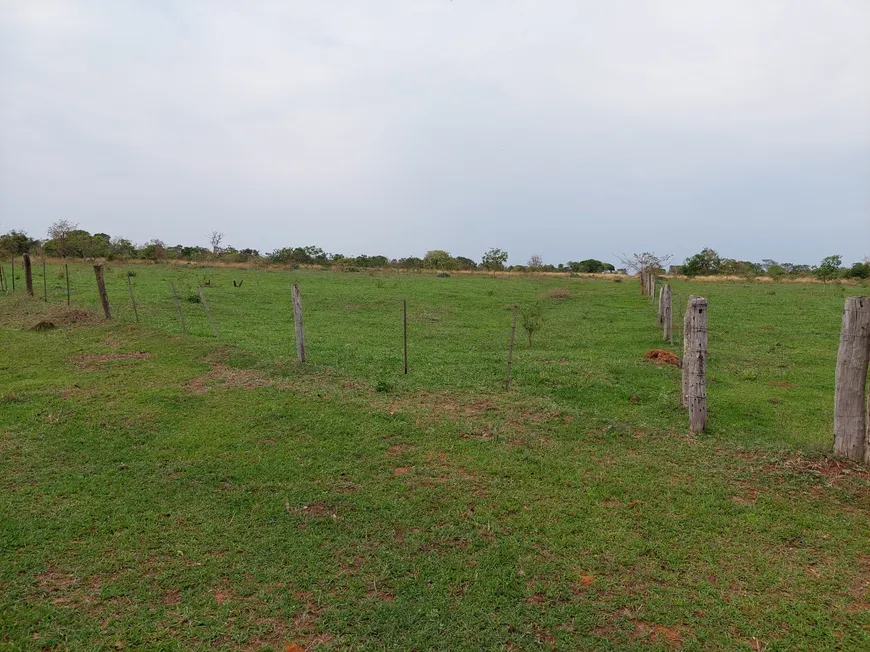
(223, 376)
(92, 361)
(660, 356)
(781, 383)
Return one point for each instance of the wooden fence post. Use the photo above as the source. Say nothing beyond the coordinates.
(13, 274)
(695, 363)
(205, 307)
(28, 274)
(853, 356)
(2, 280)
(661, 317)
(297, 319)
(132, 298)
(667, 314)
(44, 281)
(101, 287)
(178, 308)
(405, 330)
(507, 380)
(66, 273)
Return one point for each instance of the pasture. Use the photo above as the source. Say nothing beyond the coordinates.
(169, 492)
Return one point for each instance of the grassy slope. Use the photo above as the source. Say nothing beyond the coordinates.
(442, 513)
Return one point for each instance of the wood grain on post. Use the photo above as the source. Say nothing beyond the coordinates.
(297, 318)
(507, 380)
(695, 364)
(28, 274)
(853, 356)
(205, 307)
(101, 287)
(667, 314)
(178, 308)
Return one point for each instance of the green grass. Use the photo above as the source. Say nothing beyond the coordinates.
(301, 504)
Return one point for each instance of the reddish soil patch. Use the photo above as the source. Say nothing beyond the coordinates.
(399, 449)
(221, 597)
(663, 357)
(586, 580)
(224, 377)
(667, 636)
(171, 597)
(317, 509)
(381, 595)
(402, 470)
(781, 383)
(94, 360)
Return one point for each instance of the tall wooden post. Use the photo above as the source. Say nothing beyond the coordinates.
(205, 307)
(667, 314)
(13, 274)
(44, 281)
(101, 287)
(178, 308)
(297, 318)
(853, 356)
(66, 273)
(661, 316)
(405, 331)
(132, 298)
(28, 274)
(695, 363)
(507, 380)
(2, 280)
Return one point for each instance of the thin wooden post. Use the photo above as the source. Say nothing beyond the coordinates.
(66, 274)
(661, 317)
(695, 363)
(178, 308)
(297, 319)
(28, 274)
(2, 280)
(13, 274)
(101, 287)
(132, 298)
(507, 380)
(208, 312)
(44, 282)
(667, 317)
(642, 275)
(853, 356)
(405, 330)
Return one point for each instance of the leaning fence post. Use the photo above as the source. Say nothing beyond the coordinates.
(28, 274)
(132, 298)
(101, 287)
(695, 363)
(507, 380)
(667, 316)
(178, 308)
(853, 356)
(297, 318)
(2, 280)
(208, 312)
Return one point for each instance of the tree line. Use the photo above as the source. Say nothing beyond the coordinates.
(66, 240)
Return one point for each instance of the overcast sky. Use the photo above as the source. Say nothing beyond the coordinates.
(565, 128)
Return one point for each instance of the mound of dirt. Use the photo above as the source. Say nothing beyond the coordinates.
(43, 326)
(663, 357)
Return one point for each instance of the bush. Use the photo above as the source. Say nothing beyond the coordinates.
(442, 275)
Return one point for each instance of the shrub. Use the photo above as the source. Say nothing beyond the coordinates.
(443, 275)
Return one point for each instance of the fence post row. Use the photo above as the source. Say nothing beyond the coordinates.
(101, 287)
(667, 314)
(695, 363)
(850, 416)
(28, 274)
(297, 319)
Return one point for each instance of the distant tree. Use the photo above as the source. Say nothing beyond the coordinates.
(829, 268)
(775, 271)
(215, 238)
(589, 266)
(494, 259)
(646, 261)
(535, 262)
(859, 270)
(16, 243)
(412, 262)
(532, 321)
(155, 250)
(705, 263)
(438, 259)
(464, 263)
(121, 248)
(58, 235)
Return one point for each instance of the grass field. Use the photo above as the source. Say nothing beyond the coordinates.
(162, 492)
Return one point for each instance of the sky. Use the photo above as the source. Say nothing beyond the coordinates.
(570, 129)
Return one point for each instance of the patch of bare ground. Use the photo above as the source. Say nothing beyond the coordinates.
(859, 588)
(93, 361)
(669, 637)
(222, 376)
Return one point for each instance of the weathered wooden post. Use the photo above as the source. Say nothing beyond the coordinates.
(2, 280)
(695, 363)
(101, 287)
(205, 307)
(297, 318)
(667, 316)
(13, 274)
(66, 274)
(132, 298)
(507, 380)
(44, 281)
(178, 308)
(661, 316)
(28, 274)
(405, 330)
(853, 356)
